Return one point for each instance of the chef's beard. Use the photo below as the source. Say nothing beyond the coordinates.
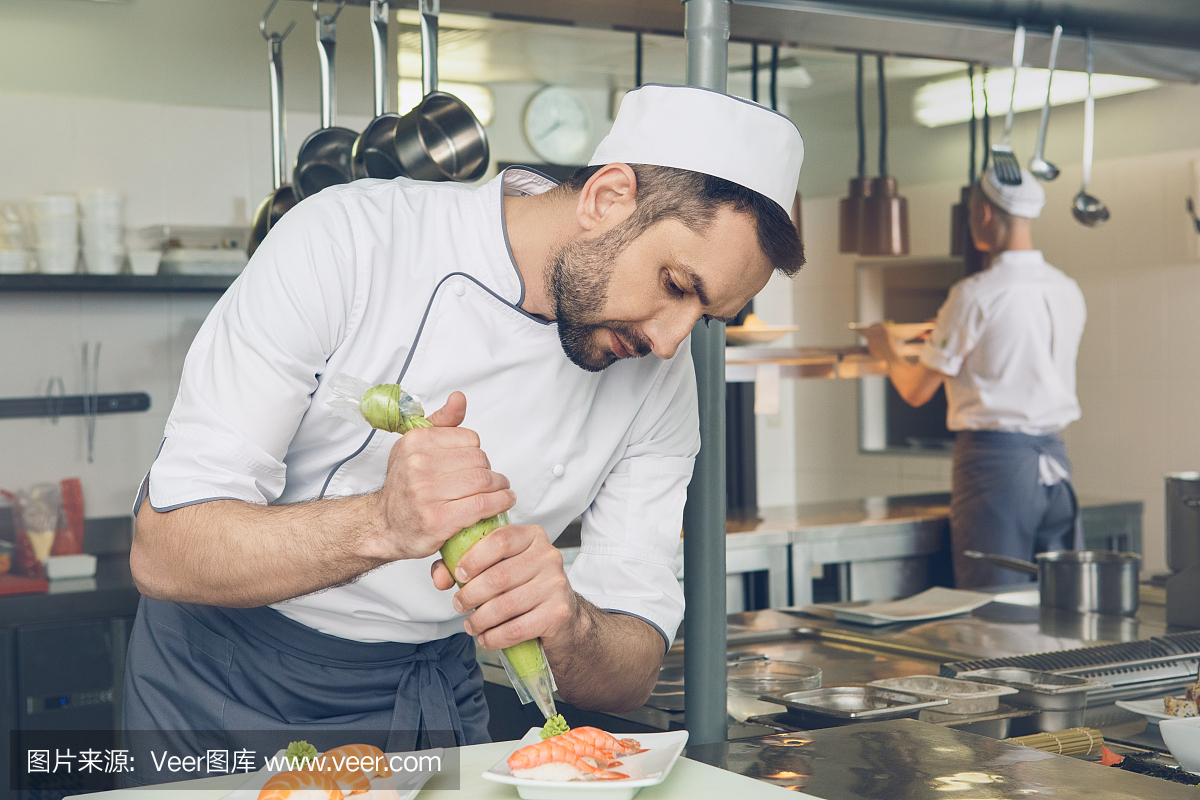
(578, 279)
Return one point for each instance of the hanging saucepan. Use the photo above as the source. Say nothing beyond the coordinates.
(850, 207)
(281, 197)
(883, 224)
(1086, 581)
(374, 154)
(961, 242)
(440, 139)
(324, 158)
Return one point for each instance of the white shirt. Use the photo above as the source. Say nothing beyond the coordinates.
(1007, 339)
(409, 282)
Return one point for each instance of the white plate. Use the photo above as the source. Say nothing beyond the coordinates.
(644, 769)
(932, 603)
(381, 788)
(1151, 709)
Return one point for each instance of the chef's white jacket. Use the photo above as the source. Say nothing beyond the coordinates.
(1007, 339)
(409, 282)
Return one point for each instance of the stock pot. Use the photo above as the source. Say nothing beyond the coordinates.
(1086, 581)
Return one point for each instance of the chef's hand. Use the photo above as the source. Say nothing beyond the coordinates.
(438, 482)
(515, 583)
(880, 343)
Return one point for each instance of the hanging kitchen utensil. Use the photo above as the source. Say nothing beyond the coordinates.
(795, 212)
(281, 198)
(441, 139)
(883, 229)
(637, 60)
(1038, 165)
(850, 207)
(987, 121)
(1086, 208)
(374, 154)
(959, 228)
(91, 395)
(325, 156)
(961, 241)
(1004, 161)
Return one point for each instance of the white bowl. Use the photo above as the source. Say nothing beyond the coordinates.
(107, 204)
(58, 233)
(145, 262)
(1182, 735)
(53, 206)
(57, 260)
(107, 235)
(104, 261)
(14, 261)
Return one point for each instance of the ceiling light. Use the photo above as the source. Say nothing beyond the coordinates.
(478, 98)
(947, 102)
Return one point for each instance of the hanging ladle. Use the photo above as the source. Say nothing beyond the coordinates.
(1038, 165)
(1090, 211)
(282, 198)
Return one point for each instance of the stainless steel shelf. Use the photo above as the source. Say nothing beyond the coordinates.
(34, 282)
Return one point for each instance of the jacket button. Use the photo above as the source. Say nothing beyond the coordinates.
(558, 470)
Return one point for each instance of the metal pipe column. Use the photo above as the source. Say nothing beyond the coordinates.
(706, 29)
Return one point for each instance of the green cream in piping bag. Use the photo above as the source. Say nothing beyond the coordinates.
(388, 407)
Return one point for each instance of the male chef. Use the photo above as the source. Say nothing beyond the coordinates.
(1004, 345)
(288, 559)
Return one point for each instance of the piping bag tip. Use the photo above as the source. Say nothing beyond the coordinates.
(534, 682)
(543, 694)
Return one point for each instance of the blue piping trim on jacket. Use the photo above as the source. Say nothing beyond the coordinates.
(413, 349)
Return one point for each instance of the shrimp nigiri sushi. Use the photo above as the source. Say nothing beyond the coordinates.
(604, 741)
(561, 759)
(353, 765)
(301, 783)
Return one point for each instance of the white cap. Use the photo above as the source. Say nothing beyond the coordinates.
(1023, 200)
(687, 127)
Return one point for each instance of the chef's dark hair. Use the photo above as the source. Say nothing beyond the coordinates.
(693, 198)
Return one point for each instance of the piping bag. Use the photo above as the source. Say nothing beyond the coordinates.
(387, 407)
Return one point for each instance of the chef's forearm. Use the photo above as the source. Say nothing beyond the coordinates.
(609, 662)
(915, 382)
(241, 555)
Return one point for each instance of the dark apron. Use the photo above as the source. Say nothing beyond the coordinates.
(203, 676)
(997, 504)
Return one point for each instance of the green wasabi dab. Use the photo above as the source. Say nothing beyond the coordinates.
(555, 726)
(299, 752)
(390, 408)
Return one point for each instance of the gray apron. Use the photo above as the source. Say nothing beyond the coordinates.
(998, 505)
(202, 677)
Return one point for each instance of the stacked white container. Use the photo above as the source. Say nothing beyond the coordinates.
(55, 220)
(103, 227)
(14, 245)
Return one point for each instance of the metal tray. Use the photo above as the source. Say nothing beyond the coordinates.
(1060, 699)
(853, 703)
(965, 697)
(1035, 681)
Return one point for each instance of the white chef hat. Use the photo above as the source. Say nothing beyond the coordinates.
(687, 127)
(1023, 200)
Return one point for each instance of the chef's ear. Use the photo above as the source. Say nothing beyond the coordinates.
(607, 199)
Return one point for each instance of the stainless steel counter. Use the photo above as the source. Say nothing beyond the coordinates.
(918, 761)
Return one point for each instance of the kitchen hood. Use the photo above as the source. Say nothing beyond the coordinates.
(1148, 38)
